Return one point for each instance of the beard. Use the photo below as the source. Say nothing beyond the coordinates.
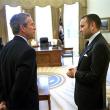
(87, 35)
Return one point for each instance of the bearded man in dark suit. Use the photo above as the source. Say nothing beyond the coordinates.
(90, 74)
(18, 87)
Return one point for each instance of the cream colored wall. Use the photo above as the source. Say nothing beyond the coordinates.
(100, 7)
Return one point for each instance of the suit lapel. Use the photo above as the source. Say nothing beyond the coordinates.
(84, 52)
(88, 48)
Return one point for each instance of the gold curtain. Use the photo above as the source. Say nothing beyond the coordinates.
(31, 11)
(82, 11)
(28, 4)
(3, 25)
(55, 22)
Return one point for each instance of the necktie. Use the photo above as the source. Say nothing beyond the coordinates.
(86, 44)
(85, 49)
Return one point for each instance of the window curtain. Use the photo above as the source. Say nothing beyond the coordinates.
(31, 11)
(55, 22)
(82, 11)
(28, 4)
(44, 22)
(3, 24)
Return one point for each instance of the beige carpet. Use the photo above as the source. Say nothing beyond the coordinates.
(62, 97)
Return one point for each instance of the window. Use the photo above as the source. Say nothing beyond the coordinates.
(43, 22)
(10, 11)
(71, 26)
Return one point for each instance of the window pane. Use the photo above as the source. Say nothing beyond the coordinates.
(71, 26)
(43, 22)
(10, 11)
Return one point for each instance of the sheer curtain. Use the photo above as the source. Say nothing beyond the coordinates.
(71, 26)
(43, 22)
(10, 11)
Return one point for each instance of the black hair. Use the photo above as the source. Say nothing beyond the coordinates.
(95, 18)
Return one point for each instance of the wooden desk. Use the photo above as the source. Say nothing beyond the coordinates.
(48, 57)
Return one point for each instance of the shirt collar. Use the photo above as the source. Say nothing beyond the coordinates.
(92, 37)
(23, 38)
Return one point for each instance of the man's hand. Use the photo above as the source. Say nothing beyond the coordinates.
(2, 105)
(71, 72)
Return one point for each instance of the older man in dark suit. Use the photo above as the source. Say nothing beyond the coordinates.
(18, 87)
(90, 75)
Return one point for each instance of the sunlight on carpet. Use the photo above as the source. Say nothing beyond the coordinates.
(59, 85)
(65, 92)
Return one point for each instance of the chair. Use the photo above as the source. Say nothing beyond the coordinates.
(44, 42)
(68, 52)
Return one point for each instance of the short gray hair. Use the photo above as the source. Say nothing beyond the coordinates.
(17, 20)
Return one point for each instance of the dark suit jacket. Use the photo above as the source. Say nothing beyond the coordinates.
(1, 46)
(90, 86)
(18, 85)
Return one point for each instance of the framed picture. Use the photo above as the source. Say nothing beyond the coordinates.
(105, 24)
